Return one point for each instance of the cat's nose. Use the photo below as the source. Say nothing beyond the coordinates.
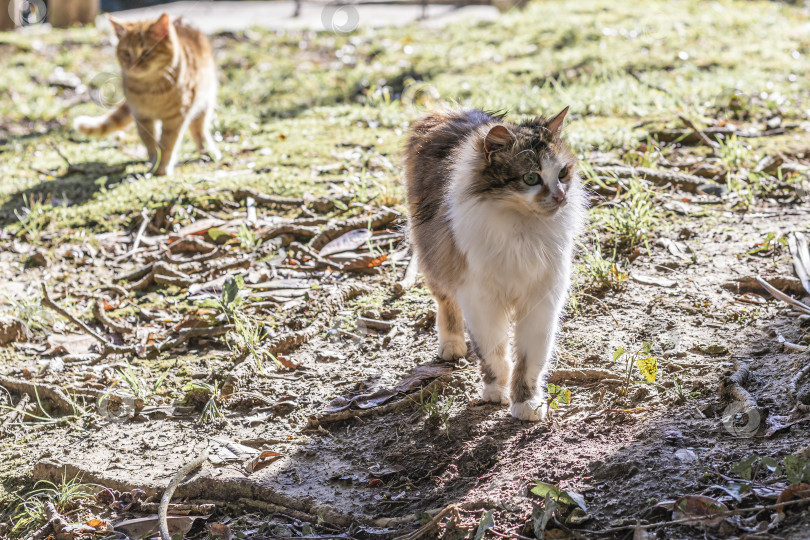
(559, 196)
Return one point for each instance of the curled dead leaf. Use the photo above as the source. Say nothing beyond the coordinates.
(796, 491)
(701, 508)
(261, 461)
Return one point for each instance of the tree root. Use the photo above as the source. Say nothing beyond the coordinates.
(408, 400)
(686, 182)
(322, 205)
(167, 495)
(794, 389)
(732, 389)
(56, 523)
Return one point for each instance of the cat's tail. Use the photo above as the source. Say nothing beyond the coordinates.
(98, 126)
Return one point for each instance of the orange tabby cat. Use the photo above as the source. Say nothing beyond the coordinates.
(169, 79)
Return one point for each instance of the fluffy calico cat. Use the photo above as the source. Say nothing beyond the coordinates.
(169, 81)
(494, 210)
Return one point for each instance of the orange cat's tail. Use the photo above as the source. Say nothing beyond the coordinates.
(118, 118)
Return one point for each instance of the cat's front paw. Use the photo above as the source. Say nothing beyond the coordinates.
(214, 153)
(164, 171)
(533, 410)
(87, 125)
(452, 350)
(494, 393)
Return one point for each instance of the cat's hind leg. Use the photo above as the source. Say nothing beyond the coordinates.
(200, 128)
(148, 135)
(488, 323)
(450, 325)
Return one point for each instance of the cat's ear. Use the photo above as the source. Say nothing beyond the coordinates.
(497, 139)
(118, 26)
(160, 28)
(555, 124)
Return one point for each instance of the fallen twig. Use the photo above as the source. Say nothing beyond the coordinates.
(167, 495)
(375, 324)
(108, 348)
(17, 412)
(698, 132)
(689, 137)
(782, 296)
(321, 261)
(409, 279)
(321, 205)
(139, 236)
(164, 274)
(687, 182)
(430, 525)
(692, 519)
(187, 333)
(101, 316)
(801, 258)
(55, 522)
(583, 375)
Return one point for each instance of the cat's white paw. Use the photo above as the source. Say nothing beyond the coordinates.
(533, 410)
(452, 350)
(165, 171)
(214, 153)
(88, 125)
(495, 393)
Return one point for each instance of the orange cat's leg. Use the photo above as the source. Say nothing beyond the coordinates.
(200, 128)
(146, 130)
(171, 133)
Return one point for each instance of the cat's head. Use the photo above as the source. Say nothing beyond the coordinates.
(145, 47)
(527, 166)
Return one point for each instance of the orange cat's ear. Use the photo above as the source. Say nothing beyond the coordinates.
(117, 25)
(160, 29)
(497, 139)
(555, 124)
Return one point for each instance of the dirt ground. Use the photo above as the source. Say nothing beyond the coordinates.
(265, 311)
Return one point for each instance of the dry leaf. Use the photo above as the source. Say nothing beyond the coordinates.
(699, 506)
(261, 461)
(287, 363)
(346, 242)
(70, 343)
(796, 491)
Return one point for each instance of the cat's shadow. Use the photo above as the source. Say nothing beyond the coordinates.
(71, 185)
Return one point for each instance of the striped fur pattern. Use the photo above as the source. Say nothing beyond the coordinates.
(170, 85)
(494, 211)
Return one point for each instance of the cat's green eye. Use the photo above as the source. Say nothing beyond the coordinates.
(531, 179)
(563, 172)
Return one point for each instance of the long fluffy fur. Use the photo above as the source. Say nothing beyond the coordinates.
(492, 249)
